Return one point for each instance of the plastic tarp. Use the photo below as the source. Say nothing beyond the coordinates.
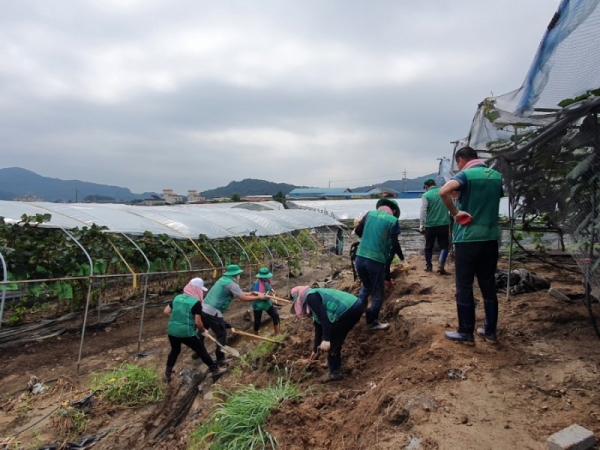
(410, 208)
(566, 65)
(178, 221)
(349, 209)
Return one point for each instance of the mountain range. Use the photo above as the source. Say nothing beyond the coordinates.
(16, 182)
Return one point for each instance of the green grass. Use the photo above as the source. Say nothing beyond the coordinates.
(129, 385)
(238, 422)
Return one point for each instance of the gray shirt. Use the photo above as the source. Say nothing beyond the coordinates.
(234, 289)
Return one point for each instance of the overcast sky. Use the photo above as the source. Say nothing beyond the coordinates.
(149, 94)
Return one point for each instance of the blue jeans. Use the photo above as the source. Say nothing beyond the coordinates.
(476, 259)
(371, 274)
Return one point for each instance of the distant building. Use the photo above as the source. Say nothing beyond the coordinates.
(155, 200)
(410, 194)
(331, 194)
(256, 198)
(28, 198)
(195, 197)
(170, 197)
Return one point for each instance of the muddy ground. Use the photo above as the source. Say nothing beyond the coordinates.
(404, 388)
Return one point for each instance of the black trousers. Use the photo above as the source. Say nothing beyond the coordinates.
(476, 259)
(339, 332)
(196, 343)
(441, 234)
(217, 325)
(272, 312)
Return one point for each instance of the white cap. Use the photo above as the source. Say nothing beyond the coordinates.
(198, 282)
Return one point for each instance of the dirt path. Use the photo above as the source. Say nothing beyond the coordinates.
(405, 387)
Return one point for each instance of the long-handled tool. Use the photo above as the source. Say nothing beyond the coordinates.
(226, 348)
(255, 336)
(277, 299)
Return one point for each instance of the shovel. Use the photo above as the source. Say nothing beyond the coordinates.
(254, 336)
(225, 348)
(277, 299)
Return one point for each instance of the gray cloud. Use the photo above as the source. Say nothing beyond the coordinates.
(185, 94)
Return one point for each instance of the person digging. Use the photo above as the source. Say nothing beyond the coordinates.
(263, 285)
(185, 323)
(217, 302)
(334, 314)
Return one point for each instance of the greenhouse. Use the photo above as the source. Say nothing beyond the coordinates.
(73, 255)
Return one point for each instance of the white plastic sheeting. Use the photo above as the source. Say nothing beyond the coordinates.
(349, 209)
(410, 208)
(178, 221)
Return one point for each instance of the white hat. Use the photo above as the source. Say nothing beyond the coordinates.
(198, 282)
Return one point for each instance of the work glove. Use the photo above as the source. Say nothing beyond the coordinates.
(422, 230)
(463, 217)
(325, 346)
(404, 267)
(204, 333)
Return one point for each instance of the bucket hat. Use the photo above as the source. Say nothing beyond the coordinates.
(391, 204)
(232, 270)
(264, 273)
(429, 182)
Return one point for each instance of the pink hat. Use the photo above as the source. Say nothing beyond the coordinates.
(386, 209)
(299, 294)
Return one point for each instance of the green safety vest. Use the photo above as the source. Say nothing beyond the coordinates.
(482, 201)
(181, 322)
(376, 242)
(262, 305)
(437, 213)
(218, 297)
(336, 302)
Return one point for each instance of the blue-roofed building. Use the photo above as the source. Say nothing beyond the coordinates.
(347, 193)
(411, 194)
(327, 193)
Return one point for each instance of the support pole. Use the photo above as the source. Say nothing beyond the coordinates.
(4, 287)
(145, 289)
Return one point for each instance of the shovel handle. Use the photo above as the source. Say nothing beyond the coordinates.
(225, 348)
(272, 297)
(255, 336)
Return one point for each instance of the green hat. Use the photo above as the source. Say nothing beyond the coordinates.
(264, 273)
(392, 204)
(232, 270)
(429, 182)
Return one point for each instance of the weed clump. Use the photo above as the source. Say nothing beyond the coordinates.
(128, 385)
(238, 421)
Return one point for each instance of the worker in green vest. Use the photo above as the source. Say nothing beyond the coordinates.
(186, 327)
(435, 224)
(334, 313)
(217, 302)
(379, 231)
(475, 236)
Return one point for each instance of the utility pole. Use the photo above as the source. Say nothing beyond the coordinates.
(329, 184)
(75, 195)
(404, 181)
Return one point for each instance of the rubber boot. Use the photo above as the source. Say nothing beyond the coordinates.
(491, 316)
(276, 329)
(168, 374)
(428, 264)
(466, 319)
(217, 371)
(442, 259)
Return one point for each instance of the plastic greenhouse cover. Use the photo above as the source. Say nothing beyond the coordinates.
(178, 221)
(410, 208)
(349, 209)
